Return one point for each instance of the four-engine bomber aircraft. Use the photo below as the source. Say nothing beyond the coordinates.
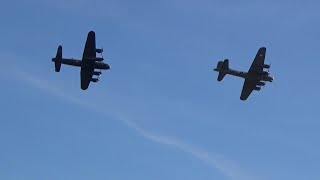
(89, 62)
(255, 78)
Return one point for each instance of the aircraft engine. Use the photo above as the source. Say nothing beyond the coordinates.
(267, 66)
(261, 83)
(99, 51)
(96, 73)
(99, 59)
(94, 80)
(264, 73)
(257, 88)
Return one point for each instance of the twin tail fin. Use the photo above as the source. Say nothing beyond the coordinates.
(221, 67)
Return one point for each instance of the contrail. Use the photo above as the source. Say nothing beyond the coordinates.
(226, 167)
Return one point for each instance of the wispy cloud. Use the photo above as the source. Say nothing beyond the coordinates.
(217, 161)
(227, 167)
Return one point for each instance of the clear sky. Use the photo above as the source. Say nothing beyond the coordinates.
(159, 113)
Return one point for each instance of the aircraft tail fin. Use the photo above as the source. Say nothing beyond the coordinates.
(58, 59)
(221, 67)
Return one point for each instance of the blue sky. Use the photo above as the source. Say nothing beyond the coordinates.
(159, 113)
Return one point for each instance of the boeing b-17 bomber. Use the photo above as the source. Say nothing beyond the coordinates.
(90, 62)
(255, 78)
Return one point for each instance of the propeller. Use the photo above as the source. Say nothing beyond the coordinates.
(100, 73)
(101, 52)
(269, 67)
(274, 81)
(262, 86)
(98, 76)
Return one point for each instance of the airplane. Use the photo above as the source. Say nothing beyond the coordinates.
(89, 63)
(255, 78)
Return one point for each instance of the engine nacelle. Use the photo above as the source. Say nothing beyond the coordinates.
(100, 65)
(261, 83)
(98, 59)
(264, 73)
(99, 51)
(94, 79)
(267, 66)
(96, 73)
(257, 88)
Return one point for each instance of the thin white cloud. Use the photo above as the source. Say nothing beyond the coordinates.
(226, 167)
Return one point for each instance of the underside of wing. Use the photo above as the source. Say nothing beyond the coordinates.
(90, 47)
(247, 89)
(258, 62)
(85, 79)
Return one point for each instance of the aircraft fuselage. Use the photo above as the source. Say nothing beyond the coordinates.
(234, 73)
(246, 75)
(84, 64)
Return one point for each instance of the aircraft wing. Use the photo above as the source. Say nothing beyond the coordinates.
(247, 89)
(88, 66)
(85, 79)
(90, 47)
(258, 62)
(256, 67)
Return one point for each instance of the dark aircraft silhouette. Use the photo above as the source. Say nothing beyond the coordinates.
(255, 78)
(89, 62)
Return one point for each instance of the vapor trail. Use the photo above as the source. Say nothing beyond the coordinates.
(216, 161)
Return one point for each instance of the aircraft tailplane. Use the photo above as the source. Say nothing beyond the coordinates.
(58, 59)
(221, 76)
(222, 67)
